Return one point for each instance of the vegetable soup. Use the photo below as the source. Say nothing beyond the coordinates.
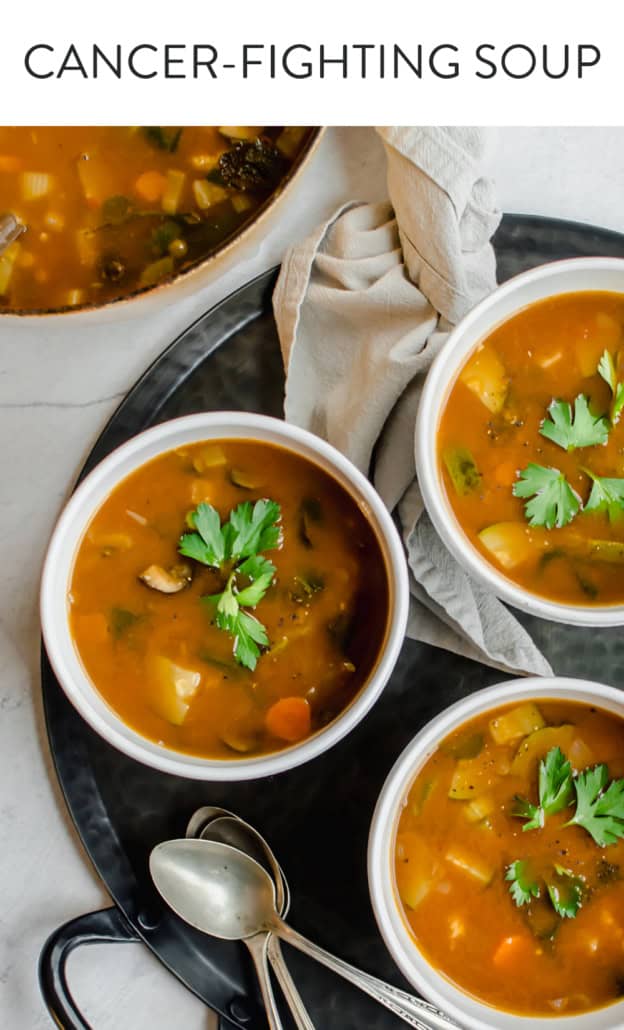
(531, 448)
(112, 210)
(229, 598)
(510, 858)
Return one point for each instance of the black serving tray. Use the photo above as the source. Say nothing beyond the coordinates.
(316, 817)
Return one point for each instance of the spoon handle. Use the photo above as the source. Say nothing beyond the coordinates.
(258, 950)
(410, 1009)
(285, 980)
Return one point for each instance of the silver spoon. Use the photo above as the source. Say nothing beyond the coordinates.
(223, 892)
(232, 830)
(10, 229)
(212, 823)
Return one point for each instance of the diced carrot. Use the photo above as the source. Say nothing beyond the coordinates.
(289, 719)
(93, 628)
(512, 951)
(150, 186)
(9, 163)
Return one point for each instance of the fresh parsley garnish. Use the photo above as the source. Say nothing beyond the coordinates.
(555, 791)
(553, 501)
(565, 891)
(606, 495)
(599, 808)
(585, 429)
(523, 886)
(235, 548)
(606, 369)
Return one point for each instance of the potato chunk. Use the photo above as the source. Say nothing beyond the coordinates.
(485, 375)
(172, 689)
(515, 724)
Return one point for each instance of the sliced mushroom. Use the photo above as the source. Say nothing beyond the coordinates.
(167, 581)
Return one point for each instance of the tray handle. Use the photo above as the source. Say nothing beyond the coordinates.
(107, 925)
(92, 928)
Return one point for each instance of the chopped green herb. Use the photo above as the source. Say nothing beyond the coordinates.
(606, 495)
(555, 791)
(121, 620)
(116, 210)
(584, 430)
(553, 501)
(565, 892)
(163, 138)
(523, 886)
(235, 547)
(606, 369)
(599, 808)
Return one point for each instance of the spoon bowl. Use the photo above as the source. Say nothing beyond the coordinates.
(224, 892)
(214, 887)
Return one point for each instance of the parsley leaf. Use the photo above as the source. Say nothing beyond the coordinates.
(207, 545)
(600, 811)
(555, 782)
(235, 547)
(606, 369)
(249, 634)
(584, 430)
(606, 495)
(555, 791)
(523, 886)
(260, 571)
(255, 528)
(524, 809)
(554, 502)
(565, 891)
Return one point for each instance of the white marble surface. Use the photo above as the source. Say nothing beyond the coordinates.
(57, 388)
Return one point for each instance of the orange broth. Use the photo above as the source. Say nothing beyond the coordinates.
(489, 432)
(325, 613)
(457, 837)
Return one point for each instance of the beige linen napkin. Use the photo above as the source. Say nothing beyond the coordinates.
(362, 307)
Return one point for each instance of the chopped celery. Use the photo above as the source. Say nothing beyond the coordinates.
(173, 191)
(471, 864)
(156, 271)
(425, 793)
(207, 194)
(468, 745)
(462, 469)
(511, 543)
(485, 375)
(245, 480)
(521, 721)
(606, 551)
(538, 744)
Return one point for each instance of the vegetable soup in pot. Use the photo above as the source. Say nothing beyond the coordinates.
(509, 858)
(112, 210)
(531, 448)
(229, 598)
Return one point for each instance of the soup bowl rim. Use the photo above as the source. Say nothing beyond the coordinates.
(549, 280)
(86, 501)
(419, 971)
